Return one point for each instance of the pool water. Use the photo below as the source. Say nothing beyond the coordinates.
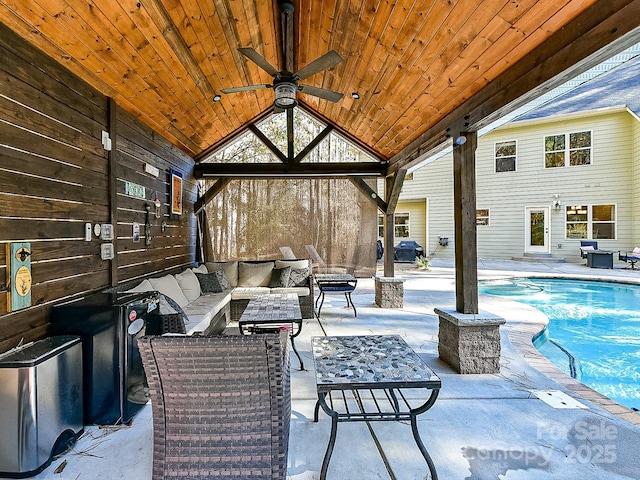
(593, 332)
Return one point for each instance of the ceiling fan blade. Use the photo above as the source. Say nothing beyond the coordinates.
(326, 61)
(321, 93)
(259, 60)
(245, 88)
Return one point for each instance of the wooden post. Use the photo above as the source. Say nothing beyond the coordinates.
(388, 244)
(464, 208)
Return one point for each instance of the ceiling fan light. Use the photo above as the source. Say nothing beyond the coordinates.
(285, 95)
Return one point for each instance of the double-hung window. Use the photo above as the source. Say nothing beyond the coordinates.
(570, 149)
(591, 222)
(505, 156)
(401, 225)
(482, 216)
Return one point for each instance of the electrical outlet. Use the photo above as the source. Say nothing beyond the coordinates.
(106, 251)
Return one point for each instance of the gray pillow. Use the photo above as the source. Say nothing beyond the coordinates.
(222, 279)
(299, 277)
(209, 282)
(280, 277)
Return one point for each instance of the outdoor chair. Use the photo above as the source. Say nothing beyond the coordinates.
(221, 406)
(319, 265)
(587, 246)
(631, 258)
(287, 253)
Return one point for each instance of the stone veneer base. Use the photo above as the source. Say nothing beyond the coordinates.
(389, 292)
(470, 343)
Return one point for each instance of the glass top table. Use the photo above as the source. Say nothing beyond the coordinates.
(362, 378)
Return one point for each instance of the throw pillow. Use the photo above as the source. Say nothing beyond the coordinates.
(144, 286)
(168, 286)
(189, 284)
(200, 269)
(280, 277)
(254, 274)
(224, 282)
(209, 282)
(292, 263)
(230, 270)
(299, 277)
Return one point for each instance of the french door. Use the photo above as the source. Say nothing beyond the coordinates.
(537, 235)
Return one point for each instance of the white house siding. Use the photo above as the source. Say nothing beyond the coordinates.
(636, 184)
(609, 179)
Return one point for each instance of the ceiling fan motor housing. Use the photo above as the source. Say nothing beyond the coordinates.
(285, 94)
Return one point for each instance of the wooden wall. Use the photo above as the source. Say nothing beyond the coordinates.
(55, 175)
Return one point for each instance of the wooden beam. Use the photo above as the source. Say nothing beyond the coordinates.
(209, 195)
(267, 142)
(601, 31)
(289, 170)
(464, 214)
(393, 187)
(369, 193)
(342, 132)
(212, 149)
(313, 144)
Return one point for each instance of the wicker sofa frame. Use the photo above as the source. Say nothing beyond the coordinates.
(221, 406)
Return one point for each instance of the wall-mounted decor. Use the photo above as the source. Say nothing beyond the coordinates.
(136, 232)
(175, 179)
(18, 275)
(134, 190)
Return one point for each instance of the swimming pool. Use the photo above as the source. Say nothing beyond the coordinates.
(593, 332)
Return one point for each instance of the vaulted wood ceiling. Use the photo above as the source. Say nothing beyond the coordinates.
(420, 66)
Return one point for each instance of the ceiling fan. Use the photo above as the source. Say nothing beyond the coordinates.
(286, 84)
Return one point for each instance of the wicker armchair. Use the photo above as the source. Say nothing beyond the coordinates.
(221, 406)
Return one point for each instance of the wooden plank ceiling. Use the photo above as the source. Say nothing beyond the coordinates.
(420, 66)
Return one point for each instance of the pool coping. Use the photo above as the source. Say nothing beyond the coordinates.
(522, 333)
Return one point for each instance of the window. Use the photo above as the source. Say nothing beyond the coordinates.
(401, 227)
(505, 155)
(591, 222)
(482, 217)
(556, 153)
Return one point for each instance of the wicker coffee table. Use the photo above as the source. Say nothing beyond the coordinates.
(269, 312)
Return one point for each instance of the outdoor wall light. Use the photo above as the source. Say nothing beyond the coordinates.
(556, 203)
(461, 140)
(285, 95)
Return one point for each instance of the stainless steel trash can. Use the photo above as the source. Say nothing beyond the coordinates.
(40, 404)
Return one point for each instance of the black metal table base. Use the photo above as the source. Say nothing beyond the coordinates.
(347, 295)
(269, 327)
(372, 405)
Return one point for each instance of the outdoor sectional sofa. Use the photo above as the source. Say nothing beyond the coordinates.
(209, 296)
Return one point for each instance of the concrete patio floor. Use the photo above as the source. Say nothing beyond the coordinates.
(482, 427)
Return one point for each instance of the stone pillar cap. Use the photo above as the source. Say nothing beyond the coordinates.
(389, 279)
(469, 319)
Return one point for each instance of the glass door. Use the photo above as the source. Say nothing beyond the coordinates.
(537, 230)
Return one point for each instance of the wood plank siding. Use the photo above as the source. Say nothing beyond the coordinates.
(55, 176)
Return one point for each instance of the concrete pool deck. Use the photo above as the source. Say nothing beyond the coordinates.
(482, 427)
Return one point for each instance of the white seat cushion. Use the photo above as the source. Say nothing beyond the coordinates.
(245, 293)
(300, 291)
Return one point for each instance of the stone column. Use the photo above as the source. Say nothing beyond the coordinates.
(469, 342)
(389, 292)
